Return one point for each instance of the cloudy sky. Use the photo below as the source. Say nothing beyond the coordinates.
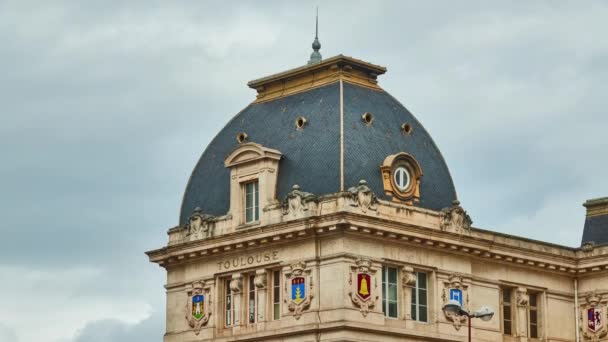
(106, 107)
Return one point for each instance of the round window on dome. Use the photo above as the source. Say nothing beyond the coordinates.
(401, 178)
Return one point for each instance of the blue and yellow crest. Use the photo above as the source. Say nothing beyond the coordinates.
(298, 289)
(456, 294)
(198, 306)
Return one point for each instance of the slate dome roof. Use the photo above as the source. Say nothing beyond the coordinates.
(311, 156)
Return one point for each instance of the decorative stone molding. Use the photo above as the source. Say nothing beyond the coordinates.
(593, 317)
(522, 299)
(299, 289)
(200, 226)
(261, 279)
(236, 287)
(362, 292)
(455, 219)
(455, 285)
(236, 284)
(363, 197)
(588, 247)
(198, 305)
(408, 282)
(297, 202)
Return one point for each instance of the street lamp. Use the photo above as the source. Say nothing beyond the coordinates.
(454, 307)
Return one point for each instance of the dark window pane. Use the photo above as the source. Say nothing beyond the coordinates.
(532, 299)
(422, 280)
(506, 295)
(392, 275)
(533, 331)
(277, 276)
(414, 316)
(507, 328)
(392, 292)
(384, 306)
(384, 274)
(392, 309)
(533, 317)
(506, 312)
(422, 297)
(414, 299)
(422, 311)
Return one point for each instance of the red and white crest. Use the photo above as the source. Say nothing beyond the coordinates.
(595, 319)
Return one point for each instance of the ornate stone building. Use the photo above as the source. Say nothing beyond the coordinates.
(324, 211)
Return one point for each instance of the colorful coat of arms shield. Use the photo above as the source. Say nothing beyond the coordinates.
(298, 289)
(198, 306)
(595, 321)
(363, 288)
(456, 294)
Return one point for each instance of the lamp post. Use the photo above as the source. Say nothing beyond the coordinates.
(454, 307)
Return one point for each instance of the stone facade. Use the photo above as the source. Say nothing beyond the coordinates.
(353, 266)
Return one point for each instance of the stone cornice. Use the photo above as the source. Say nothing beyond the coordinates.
(556, 260)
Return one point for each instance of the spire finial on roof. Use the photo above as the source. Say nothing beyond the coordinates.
(315, 57)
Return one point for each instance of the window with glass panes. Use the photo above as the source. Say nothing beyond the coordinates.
(251, 297)
(507, 311)
(228, 303)
(533, 315)
(389, 291)
(252, 212)
(276, 294)
(419, 298)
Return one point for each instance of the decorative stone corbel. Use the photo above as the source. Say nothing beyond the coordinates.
(455, 219)
(299, 288)
(362, 196)
(198, 305)
(455, 285)
(236, 287)
(593, 317)
(260, 281)
(200, 226)
(522, 300)
(408, 282)
(297, 202)
(364, 287)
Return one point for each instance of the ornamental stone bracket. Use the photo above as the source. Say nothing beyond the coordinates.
(593, 317)
(297, 203)
(200, 226)
(260, 281)
(298, 289)
(236, 287)
(363, 197)
(362, 292)
(455, 288)
(198, 305)
(455, 219)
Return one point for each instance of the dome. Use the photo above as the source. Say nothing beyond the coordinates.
(351, 126)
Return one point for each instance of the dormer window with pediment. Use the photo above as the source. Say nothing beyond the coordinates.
(253, 181)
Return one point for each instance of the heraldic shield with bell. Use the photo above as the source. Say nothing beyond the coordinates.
(364, 294)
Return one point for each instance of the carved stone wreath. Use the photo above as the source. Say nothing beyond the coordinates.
(455, 282)
(362, 196)
(593, 330)
(455, 219)
(298, 279)
(362, 293)
(198, 289)
(200, 226)
(297, 202)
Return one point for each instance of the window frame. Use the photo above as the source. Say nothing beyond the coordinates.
(415, 297)
(385, 291)
(228, 304)
(502, 310)
(255, 205)
(276, 293)
(252, 292)
(536, 310)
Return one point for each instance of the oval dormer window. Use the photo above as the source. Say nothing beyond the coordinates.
(402, 178)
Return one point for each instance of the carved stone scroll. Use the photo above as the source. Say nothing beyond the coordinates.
(200, 226)
(297, 202)
(455, 219)
(362, 196)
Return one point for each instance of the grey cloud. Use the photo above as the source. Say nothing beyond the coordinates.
(151, 329)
